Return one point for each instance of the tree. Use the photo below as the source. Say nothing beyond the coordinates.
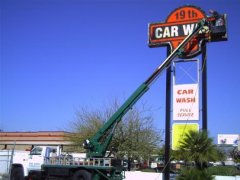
(85, 125)
(135, 136)
(235, 154)
(198, 147)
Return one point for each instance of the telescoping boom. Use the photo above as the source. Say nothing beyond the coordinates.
(98, 144)
(96, 166)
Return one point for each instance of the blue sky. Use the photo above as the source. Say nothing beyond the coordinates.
(59, 55)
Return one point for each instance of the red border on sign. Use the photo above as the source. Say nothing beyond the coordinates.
(180, 16)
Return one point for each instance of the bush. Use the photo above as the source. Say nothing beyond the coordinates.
(194, 174)
(224, 170)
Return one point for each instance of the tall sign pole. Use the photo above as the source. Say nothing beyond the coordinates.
(204, 87)
(168, 120)
(180, 23)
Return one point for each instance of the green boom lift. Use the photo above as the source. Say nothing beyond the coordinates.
(96, 166)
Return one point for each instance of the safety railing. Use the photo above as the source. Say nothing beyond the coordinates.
(75, 161)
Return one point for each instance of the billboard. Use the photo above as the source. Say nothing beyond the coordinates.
(179, 131)
(180, 23)
(185, 102)
(229, 139)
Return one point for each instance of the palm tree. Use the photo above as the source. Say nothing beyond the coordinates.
(197, 147)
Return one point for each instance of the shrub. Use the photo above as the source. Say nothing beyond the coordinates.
(195, 174)
(224, 170)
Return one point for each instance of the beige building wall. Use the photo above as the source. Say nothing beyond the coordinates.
(26, 140)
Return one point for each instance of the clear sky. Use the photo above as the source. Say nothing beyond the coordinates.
(59, 55)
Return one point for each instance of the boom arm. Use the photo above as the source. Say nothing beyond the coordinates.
(99, 143)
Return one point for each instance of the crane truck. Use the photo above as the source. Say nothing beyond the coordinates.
(97, 166)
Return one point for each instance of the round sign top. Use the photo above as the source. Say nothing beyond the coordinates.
(186, 14)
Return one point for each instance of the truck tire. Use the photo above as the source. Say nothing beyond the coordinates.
(17, 173)
(82, 175)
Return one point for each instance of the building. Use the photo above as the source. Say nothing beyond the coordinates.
(26, 140)
(229, 144)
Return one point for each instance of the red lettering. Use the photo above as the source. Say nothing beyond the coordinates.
(185, 91)
(185, 100)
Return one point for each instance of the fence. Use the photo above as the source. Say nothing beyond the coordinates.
(5, 156)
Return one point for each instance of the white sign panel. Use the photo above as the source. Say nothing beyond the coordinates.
(185, 102)
(228, 138)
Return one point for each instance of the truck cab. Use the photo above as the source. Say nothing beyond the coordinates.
(23, 163)
(38, 154)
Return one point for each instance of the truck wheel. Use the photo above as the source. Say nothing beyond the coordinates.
(82, 175)
(17, 173)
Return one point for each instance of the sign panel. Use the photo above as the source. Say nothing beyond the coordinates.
(180, 23)
(229, 139)
(185, 102)
(179, 132)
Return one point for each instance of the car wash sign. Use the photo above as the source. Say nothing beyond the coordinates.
(186, 102)
(179, 24)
